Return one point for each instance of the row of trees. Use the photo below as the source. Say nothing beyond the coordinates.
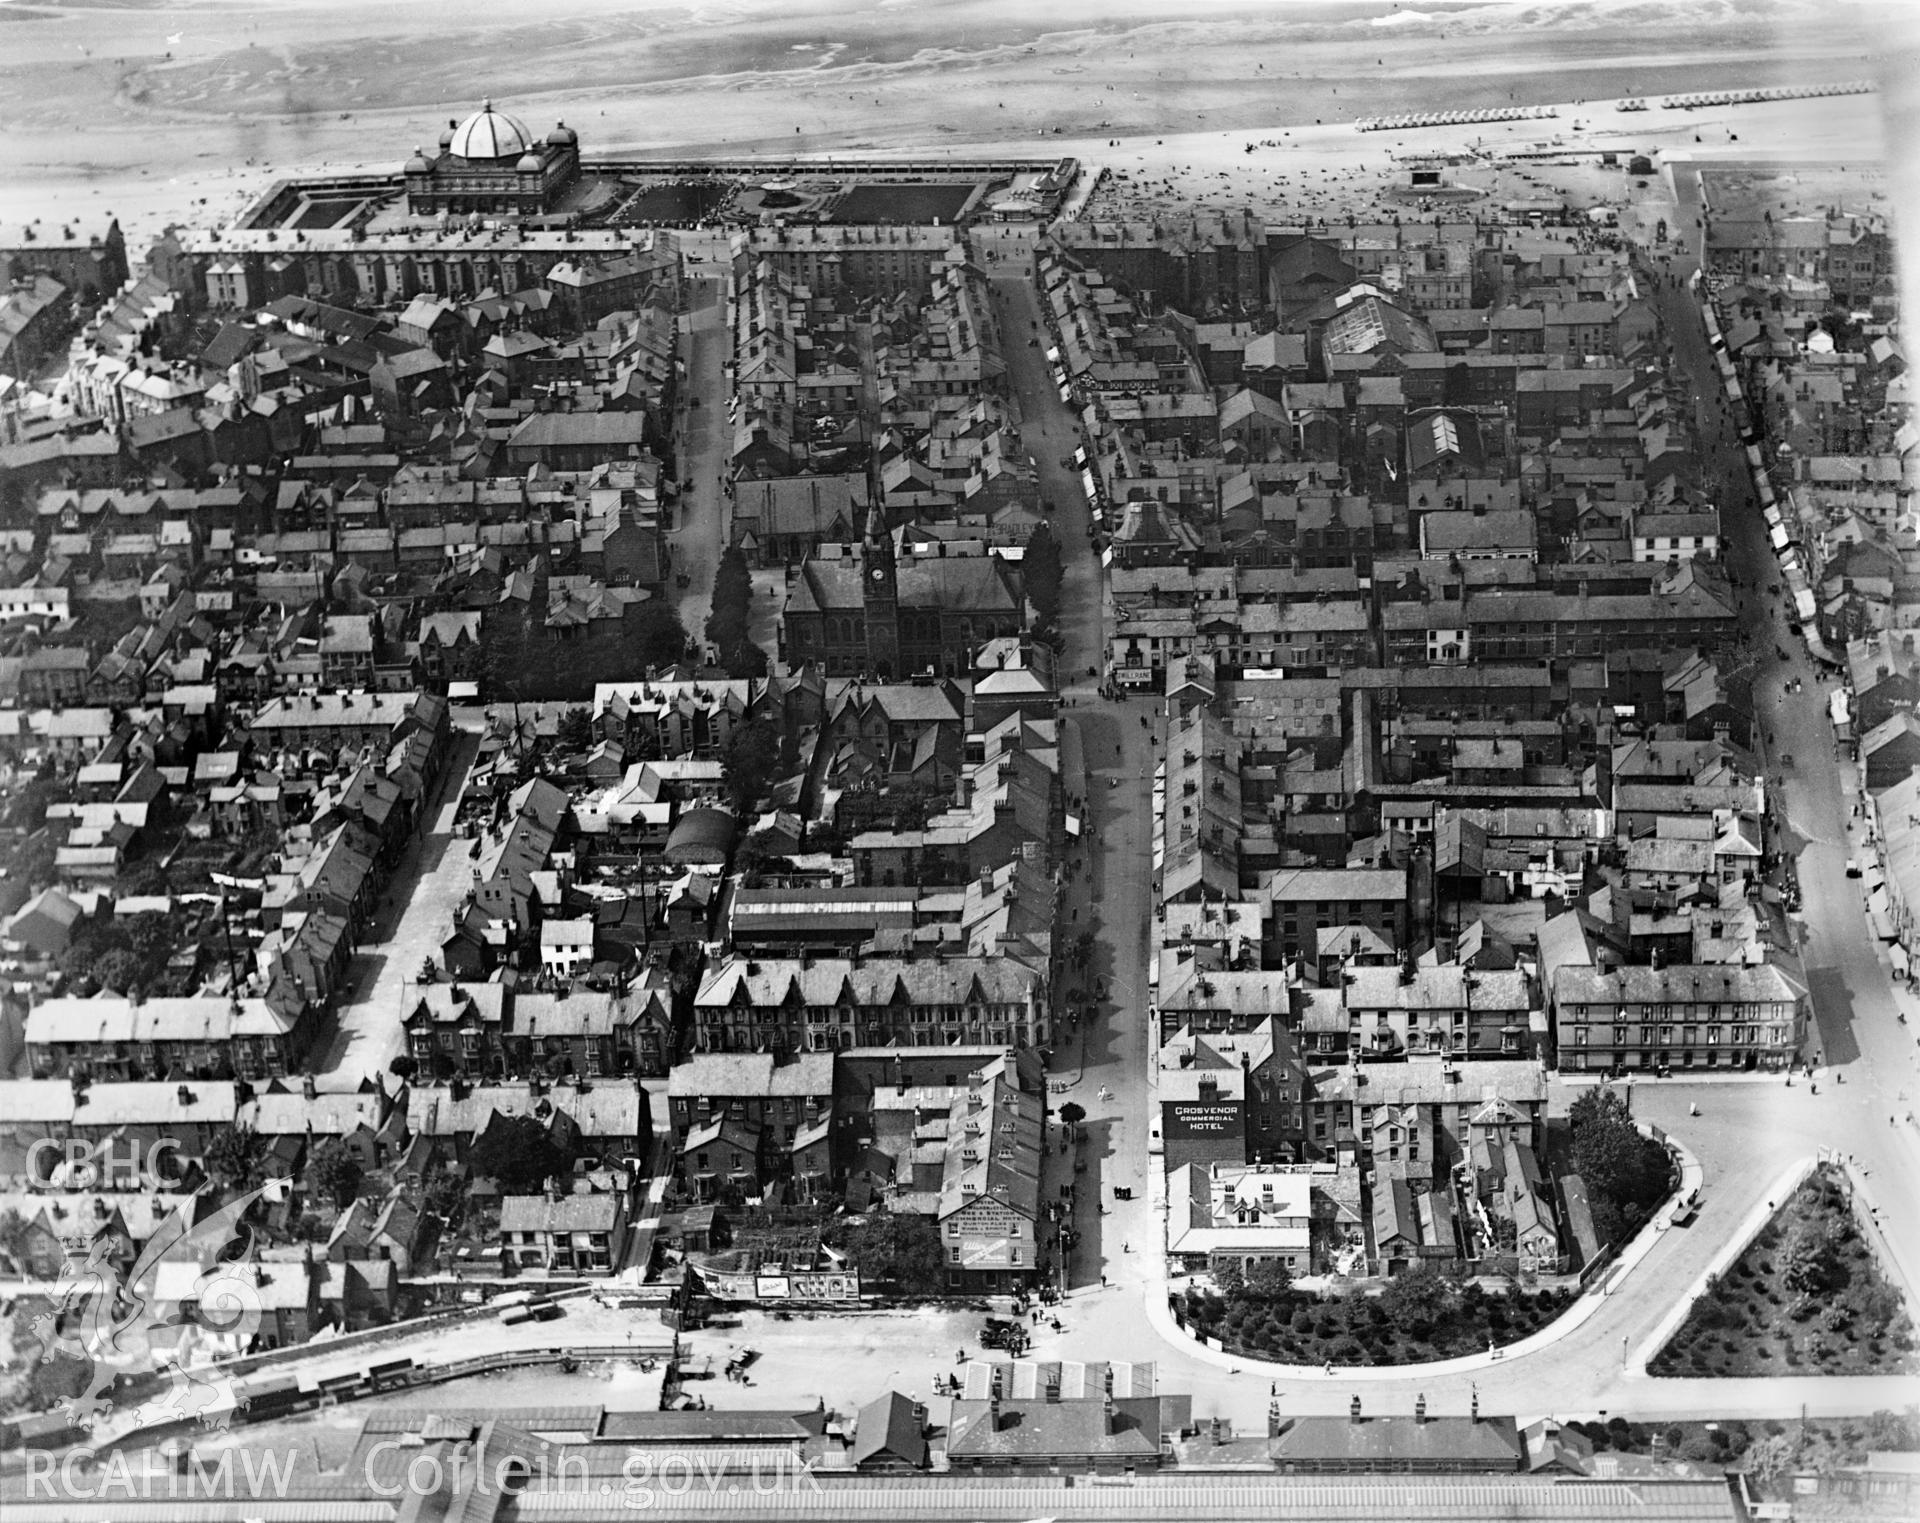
(1043, 568)
(236, 1160)
(729, 619)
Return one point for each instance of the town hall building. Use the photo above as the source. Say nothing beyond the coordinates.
(870, 615)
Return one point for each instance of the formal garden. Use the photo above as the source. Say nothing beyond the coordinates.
(1806, 1297)
(1418, 1316)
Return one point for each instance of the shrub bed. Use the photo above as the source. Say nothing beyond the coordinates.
(1805, 1296)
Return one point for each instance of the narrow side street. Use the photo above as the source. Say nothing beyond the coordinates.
(700, 526)
(414, 918)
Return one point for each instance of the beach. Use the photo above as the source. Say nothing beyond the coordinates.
(163, 112)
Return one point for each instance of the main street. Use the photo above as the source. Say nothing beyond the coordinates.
(1857, 1030)
(1111, 890)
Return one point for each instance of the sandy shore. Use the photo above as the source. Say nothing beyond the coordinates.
(173, 112)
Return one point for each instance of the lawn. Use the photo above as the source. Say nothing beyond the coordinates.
(908, 202)
(673, 201)
(1806, 1297)
(1419, 1316)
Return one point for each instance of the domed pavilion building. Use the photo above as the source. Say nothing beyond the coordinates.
(492, 163)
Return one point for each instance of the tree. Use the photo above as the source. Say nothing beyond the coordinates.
(900, 1249)
(404, 1067)
(1268, 1280)
(1627, 1175)
(1812, 1262)
(237, 1159)
(729, 614)
(1071, 1115)
(576, 725)
(119, 969)
(1043, 570)
(730, 617)
(752, 761)
(658, 634)
(516, 1153)
(143, 879)
(1229, 1281)
(446, 1198)
(1613, 1157)
(1419, 1300)
(336, 1171)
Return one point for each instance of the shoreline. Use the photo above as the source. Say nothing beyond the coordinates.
(1207, 167)
(162, 112)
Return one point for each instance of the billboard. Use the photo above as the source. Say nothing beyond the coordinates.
(1209, 1118)
(780, 1285)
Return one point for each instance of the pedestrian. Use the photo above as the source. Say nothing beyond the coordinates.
(1103, 1277)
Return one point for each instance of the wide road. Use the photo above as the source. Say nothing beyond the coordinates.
(1109, 891)
(1857, 1030)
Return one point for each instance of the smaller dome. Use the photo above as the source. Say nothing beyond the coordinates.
(529, 164)
(562, 136)
(446, 138)
(417, 165)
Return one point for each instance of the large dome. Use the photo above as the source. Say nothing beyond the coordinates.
(491, 134)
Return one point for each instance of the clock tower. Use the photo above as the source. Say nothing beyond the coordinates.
(880, 588)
